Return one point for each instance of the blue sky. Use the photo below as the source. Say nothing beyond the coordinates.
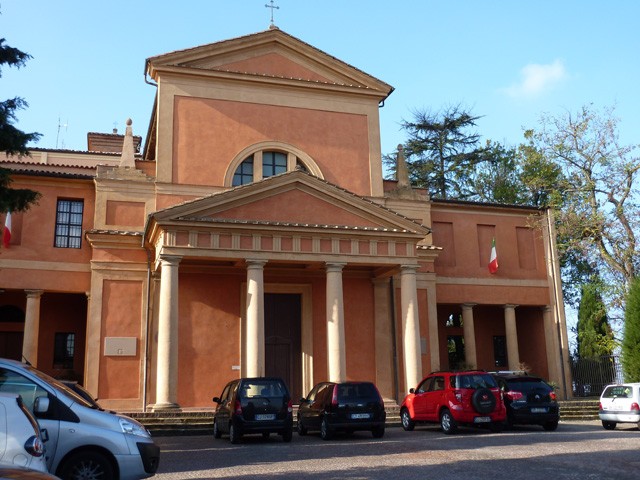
(508, 61)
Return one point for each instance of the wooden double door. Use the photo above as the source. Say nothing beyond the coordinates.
(282, 331)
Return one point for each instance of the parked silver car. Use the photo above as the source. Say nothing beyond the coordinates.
(83, 441)
(20, 441)
(620, 403)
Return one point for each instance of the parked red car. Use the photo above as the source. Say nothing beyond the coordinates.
(455, 398)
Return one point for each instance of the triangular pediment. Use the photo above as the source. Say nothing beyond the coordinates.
(291, 200)
(271, 54)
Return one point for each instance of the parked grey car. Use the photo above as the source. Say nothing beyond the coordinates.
(81, 441)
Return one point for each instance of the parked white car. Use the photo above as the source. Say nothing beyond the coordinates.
(620, 403)
(81, 440)
(20, 441)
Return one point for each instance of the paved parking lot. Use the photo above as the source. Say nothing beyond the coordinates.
(580, 450)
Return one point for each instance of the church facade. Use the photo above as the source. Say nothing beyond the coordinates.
(254, 234)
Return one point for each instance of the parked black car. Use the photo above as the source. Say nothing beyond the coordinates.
(345, 407)
(254, 405)
(529, 400)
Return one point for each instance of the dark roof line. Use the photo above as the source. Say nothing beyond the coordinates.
(39, 173)
(486, 204)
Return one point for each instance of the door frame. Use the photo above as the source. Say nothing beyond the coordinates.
(306, 328)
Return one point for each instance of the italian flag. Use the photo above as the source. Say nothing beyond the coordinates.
(6, 232)
(493, 258)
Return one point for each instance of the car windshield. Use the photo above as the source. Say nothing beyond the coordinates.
(618, 391)
(473, 381)
(357, 391)
(58, 385)
(527, 385)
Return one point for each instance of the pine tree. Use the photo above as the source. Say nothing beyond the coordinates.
(631, 340)
(12, 140)
(595, 337)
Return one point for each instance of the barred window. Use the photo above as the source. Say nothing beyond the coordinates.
(63, 350)
(69, 224)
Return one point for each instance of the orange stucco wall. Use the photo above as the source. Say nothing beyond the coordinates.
(208, 134)
(295, 206)
(273, 64)
(209, 335)
(120, 376)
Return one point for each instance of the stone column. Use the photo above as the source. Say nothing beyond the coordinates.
(167, 365)
(254, 338)
(336, 352)
(512, 336)
(31, 327)
(470, 356)
(552, 346)
(434, 337)
(410, 326)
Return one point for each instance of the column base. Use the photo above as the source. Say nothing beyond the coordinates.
(163, 407)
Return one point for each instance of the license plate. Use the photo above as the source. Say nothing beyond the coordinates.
(482, 420)
(355, 416)
(539, 410)
(268, 416)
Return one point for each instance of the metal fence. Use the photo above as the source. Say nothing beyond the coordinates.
(591, 375)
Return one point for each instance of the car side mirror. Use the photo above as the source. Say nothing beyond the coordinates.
(216, 400)
(412, 390)
(41, 405)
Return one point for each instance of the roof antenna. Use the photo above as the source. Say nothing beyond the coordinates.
(272, 7)
(61, 125)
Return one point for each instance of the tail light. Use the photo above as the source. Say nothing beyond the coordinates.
(600, 406)
(513, 395)
(458, 395)
(635, 407)
(238, 408)
(34, 446)
(552, 396)
(334, 397)
(290, 406)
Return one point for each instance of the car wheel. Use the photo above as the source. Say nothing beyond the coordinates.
(86, 465)
(550, 426)
(447, 422)
(483, 400)
(609, 425)
(407, 423)
(216, 430)
(302, 430)
(234, 434)
(378, 432)
(325, 430)
(287, 435)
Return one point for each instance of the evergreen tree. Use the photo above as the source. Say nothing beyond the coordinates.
(442, 155)
(631, 340)
(595, 337)
(12, 140)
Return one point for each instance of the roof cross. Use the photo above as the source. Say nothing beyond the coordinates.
(272, 7)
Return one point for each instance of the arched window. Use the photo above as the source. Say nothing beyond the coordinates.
(266, 160)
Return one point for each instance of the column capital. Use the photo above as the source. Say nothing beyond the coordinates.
(334, 266)
(546, 309)
(34, 293)
(510, 306)
(404, 269)
(170, 259)
(255, 263)
(468, 306)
